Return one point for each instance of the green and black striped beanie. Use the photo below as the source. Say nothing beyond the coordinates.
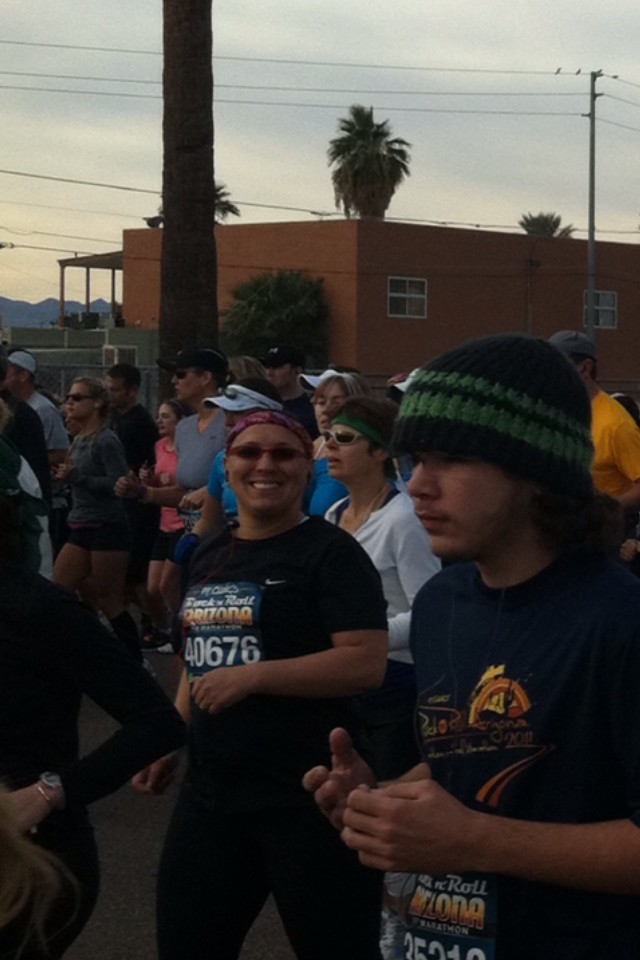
(510, 400)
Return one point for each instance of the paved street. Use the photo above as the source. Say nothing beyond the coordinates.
(129, 830)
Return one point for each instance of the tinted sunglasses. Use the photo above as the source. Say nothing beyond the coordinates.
(76, 397)
(344, 438)
(253, 451)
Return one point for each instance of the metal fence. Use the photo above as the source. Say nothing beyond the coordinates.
(55, 380)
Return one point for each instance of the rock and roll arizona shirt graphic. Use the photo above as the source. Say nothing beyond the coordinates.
(494, 722)
(451, 916)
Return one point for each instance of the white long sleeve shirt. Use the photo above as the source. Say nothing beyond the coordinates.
(400, 549)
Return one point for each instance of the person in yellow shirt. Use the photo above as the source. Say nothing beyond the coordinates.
(616, 437)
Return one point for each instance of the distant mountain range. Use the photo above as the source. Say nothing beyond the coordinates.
(19, 313)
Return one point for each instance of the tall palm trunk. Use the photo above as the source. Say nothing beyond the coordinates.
(188, 303)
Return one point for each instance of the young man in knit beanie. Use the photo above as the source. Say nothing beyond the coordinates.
(518, 837)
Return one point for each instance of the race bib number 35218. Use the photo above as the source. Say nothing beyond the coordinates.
(220, 626)
(418, 947)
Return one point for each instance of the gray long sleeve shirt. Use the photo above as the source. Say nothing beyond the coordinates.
(98, 461)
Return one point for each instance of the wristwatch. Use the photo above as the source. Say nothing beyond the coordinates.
(50, 787)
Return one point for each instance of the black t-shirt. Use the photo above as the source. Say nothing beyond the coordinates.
(138, 434)
(26, 432)
(52, 651)
(301, 409)
(528, 708)
(271, 599)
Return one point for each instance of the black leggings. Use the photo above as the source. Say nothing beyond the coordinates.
(217, 870)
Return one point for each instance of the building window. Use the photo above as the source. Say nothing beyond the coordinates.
(406, 297)
(605, 309)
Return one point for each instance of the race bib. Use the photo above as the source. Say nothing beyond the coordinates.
(220, 626)
(442, 917)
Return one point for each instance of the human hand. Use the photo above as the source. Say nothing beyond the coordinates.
(331, 788)
(416, 827)
(155, 778)
(29, 806)
(221, 688)
(193, 500)
(629, 550)
(145, 473)
(129, 486)
(63, 471)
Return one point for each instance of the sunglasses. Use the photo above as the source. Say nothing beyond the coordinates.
(180, 374)
(76, 397)
(253, 451)
(344, 438)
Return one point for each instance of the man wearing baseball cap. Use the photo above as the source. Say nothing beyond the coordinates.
(284, 364)
(518, 836)
(21, 382)
(25, 429)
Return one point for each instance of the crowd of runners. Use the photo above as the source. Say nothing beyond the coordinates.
(408, 646)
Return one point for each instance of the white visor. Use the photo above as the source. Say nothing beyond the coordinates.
(238, 399)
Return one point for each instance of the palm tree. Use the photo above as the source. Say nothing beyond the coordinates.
(368, 164)
(282, 307)
(545, 225)
(188, 303)
(225, 207)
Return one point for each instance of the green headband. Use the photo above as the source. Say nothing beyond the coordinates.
(367, 431)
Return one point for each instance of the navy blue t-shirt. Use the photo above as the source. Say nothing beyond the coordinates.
(529, 707)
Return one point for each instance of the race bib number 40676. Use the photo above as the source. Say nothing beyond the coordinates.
(220, 626)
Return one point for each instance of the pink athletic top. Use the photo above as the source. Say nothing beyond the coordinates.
(165, 476)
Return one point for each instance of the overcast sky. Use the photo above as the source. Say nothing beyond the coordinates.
(495, 130)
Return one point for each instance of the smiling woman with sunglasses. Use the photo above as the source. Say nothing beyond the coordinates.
(383, 521)
(283, 621)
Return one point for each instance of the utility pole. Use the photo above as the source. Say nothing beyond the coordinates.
(591, 271)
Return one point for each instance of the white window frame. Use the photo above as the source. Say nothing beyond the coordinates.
(407, 297)
(600, 309)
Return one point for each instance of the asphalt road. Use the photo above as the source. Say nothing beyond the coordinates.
(129, 831)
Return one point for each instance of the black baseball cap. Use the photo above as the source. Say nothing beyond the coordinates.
(574, 342)
(278, 356)
(201, 358)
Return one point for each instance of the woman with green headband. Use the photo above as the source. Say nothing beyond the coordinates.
(382, 519)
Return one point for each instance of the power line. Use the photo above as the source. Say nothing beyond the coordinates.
(613, 123)
(611, 96)
(88, 93)
(300, 61)
(75, 76)
(289, 88)
(26, 246)
(84, 183)
(78, 46)
(288, 103)
(65, 236)
(49, 206)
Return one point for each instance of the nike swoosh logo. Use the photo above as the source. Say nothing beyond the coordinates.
(272, 583)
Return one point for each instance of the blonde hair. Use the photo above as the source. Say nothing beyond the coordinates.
(244, 367)
(97, 391)
(354, 385)
(30, 881)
